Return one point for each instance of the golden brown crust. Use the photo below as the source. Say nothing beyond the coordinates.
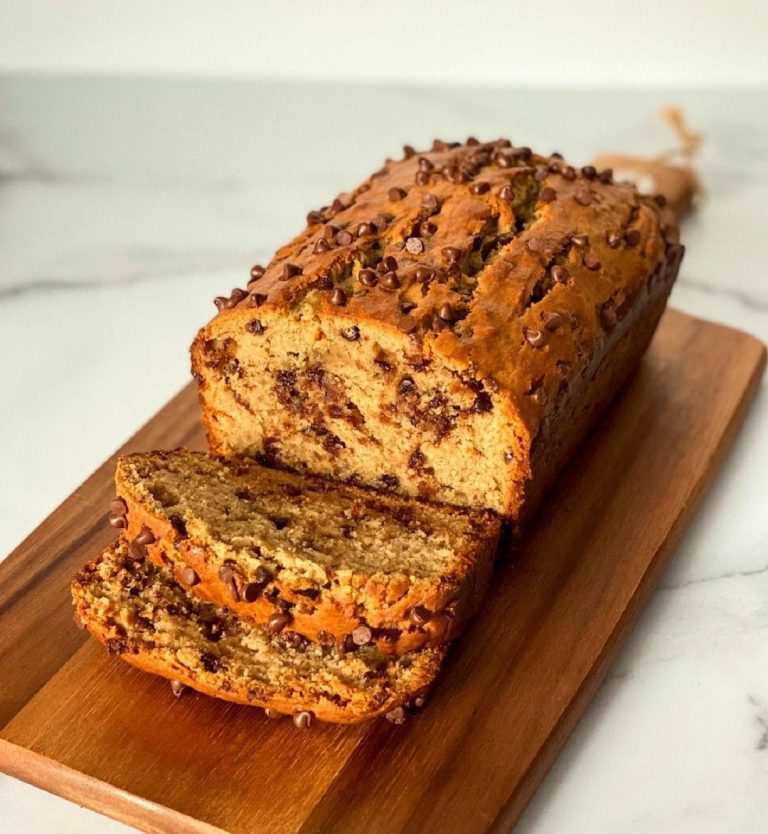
(538, 263)
(332, 699)
(347, 600)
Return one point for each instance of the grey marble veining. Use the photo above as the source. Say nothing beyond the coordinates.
(126, 205)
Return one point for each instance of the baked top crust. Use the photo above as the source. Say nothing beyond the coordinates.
(456, 247)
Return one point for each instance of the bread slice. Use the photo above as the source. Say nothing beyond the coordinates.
(334, 563)
(141, 614)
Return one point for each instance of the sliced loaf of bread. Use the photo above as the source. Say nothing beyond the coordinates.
(141, 614)
(336, 564)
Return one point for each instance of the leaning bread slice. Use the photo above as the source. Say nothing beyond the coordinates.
(334, 563)
(140, 613)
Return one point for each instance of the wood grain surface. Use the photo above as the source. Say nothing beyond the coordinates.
(88, 727)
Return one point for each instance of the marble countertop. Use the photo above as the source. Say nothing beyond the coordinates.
(126, 205)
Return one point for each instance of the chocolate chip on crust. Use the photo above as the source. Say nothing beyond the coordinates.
(362, 635)
(146, 536)
(303, 719)
(420, 615)
(188, 576)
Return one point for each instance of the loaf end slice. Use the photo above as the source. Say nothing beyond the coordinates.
(141, 614)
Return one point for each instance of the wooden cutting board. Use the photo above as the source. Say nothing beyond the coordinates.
(90, 728)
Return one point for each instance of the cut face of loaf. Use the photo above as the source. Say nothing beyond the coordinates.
(141, 614)
(333, 563)
(448, 330)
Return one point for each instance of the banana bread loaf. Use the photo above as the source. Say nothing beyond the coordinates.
(449, 329)
(141, 614)
(332, 563)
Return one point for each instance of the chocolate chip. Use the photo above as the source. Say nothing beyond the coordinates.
(290, 271)
(213, 630)
(589, 172)
(506, 192)
(540, 173)
(452, 254)
(177, 687)
(365, 229)
(362, 635)
(351, 334)
(118, 521)
(591, 261)
(613, 239)
(262, 575)
(325, 638)
(535, 338)
(221, 302)
(314, 217)
(422, 178)
(226, 574)
(273, 714)
(118, 507)
(580, 241)
(551, 320)
(424, 273)
(660, 200)
(257, 271)
(137, 551)
(343, 238)
(429, 201)
(368, 278)
(407, 324)
(278, 621)
(418, 700)
(419, 615)
(329, 232)
(257, 299)
(425, 164)
(414, 245)
(406, 385)
(338, 297)
(303, 719)
(483, 403)
(390, 281)
(583, 197)
(447, 313)
(189, 577)
(632, 236)
(559, 273)
(427, 229)
(381, 221)
(252, 591)
(480, 188)
(321, 245)
(210, 663)
(536, 244)
(389, 263)
(504, 160)
(256, 327)
(606, 175)
(408, 151)
(396, 716)
(395, 194)
(547, 195)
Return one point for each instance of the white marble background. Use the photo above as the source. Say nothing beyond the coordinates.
(125, 206)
